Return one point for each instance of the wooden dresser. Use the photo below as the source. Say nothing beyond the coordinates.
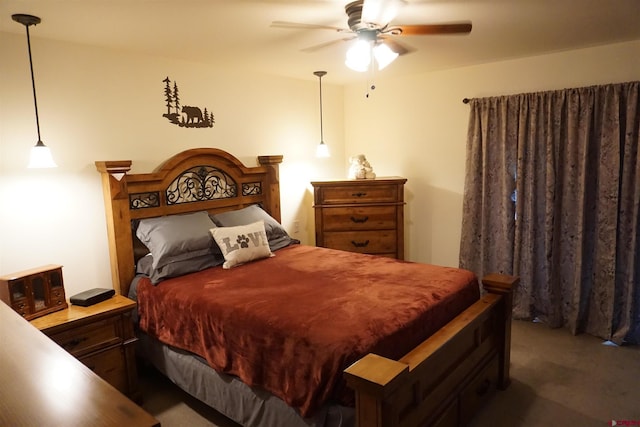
(100, 336)
(43, 385)
(361, 215)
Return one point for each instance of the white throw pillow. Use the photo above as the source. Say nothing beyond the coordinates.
(242, 243)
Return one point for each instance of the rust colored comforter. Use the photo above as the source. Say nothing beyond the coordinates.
(292, 323)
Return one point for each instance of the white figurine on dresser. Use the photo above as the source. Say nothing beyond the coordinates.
(359, 168)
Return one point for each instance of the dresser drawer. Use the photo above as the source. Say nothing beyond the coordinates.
(359, 194)
(364, 218)
(366, 242)
(83, 339)
(109, 365)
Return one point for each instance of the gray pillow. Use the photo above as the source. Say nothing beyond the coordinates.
(175, 238)
(276, 234)
(177, 268)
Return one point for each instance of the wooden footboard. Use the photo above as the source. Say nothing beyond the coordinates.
(448, 377)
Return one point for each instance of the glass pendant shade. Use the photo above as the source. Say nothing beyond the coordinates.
(384, 55)
(41, 157)
(322, 150)
(359, 56)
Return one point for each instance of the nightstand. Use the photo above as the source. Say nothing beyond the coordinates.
(361, 215)
(101, 337)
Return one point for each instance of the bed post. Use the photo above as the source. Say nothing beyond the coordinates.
(116, 203)
(502, 284)
(273, 184)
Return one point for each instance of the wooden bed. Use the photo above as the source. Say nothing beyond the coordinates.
(443, 381)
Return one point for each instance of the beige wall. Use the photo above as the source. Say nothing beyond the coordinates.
(417, 128)
(97, 104)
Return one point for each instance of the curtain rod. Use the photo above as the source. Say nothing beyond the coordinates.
(466, 100)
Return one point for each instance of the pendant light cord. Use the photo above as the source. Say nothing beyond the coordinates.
(33, 85)
(321, 127)
(320, 74)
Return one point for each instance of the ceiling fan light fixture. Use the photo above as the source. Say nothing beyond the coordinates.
(371, 22)
(359, 56)
(384, 55)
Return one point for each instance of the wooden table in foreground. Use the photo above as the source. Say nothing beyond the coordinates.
(42, 384)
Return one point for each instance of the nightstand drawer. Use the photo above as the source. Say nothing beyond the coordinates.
(93, 336)
(365, 218)
(366, 242)
(359, 194)
(107, 364)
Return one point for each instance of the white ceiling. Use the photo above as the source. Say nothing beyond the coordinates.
(238, 33)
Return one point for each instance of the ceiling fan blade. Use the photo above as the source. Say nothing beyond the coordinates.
(430, 29)
(300, 26)
(326, 44)
(380, 12)
(398, 48)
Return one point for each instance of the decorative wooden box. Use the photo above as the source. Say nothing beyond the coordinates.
(35, 292)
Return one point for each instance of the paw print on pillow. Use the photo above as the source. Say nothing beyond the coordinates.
(243, 241)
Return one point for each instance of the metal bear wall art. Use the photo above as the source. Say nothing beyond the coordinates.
(186, 115)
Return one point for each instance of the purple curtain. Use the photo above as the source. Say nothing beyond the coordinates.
(552, 194)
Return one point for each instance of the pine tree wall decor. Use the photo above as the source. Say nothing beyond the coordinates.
(186, 115)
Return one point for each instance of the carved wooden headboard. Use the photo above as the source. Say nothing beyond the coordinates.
(200, 179)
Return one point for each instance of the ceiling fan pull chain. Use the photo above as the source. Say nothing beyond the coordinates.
(370, 79)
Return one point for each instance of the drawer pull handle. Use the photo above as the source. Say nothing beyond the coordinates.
(359, 220)
(483, 388)
(360, 194)
(360, 244)
(74, 342)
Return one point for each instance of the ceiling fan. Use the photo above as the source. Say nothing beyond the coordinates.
(369, 21)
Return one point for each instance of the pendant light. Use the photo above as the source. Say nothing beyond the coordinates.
(322, 150)
(40, 153)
